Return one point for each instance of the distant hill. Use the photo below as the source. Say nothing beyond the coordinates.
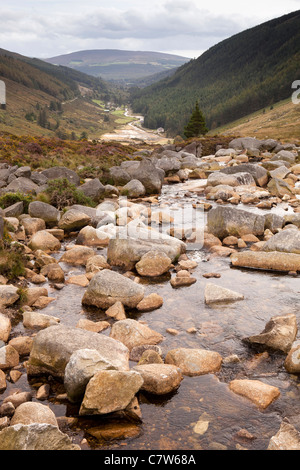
(44, 99)
(247, 72)
(120, 66)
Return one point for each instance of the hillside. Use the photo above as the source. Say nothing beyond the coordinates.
(280, 122)
(245, 73)
(124, 67)
(46, 100)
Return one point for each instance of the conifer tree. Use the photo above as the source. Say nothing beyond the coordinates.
(196, 125)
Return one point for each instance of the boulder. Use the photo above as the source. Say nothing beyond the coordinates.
(150, 302)
(159, 379)
(279, 188)
(287, 438)
(35, 437)
(245, 143)
(44, 241)
(33, 225)
(269, 261)
(5, 327)
(8, 295)
(236, 179)
(59, 172)
(292, 219)
(33, 412)
(96, 263)
(292, 362)
(146, 172)
(133, 189)
(93, 189)
(82, 366)
(22, 185)
(119, 175)
(125, 251)
(225, 221)
(38, 320)
(258, 392)
(90, 236)
(117, 311)
(54, 273)
(73, 220)
(215, 294)
(109, 391)
(108, 287)
(287, 241)
(47, 212)
(153, 263)
(9, 357)
(279, 333)
(133, 333)
(53, 347)
(194, 362)
(284, 155)
(77, 256)
(259, 173)
(15, 210)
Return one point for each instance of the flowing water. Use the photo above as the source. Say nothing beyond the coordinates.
(203, 413)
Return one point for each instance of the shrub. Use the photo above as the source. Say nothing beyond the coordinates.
(9, 199)
(62, 193)
(12, 260)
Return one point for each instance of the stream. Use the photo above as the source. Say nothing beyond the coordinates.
(169, 422)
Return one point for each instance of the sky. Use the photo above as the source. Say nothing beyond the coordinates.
(47, 28)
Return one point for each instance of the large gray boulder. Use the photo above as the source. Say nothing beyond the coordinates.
(83, 364)
(59, 172)
(245, 143)
(22, 185)
(119, 175)
(53, 347)
(147, 173)
(47, 212)
(133, 189)
(93, 189)
(284, 155)
(127, 251)
(225, 221)
(259, 173)
(236, 179)
(108, 287)
(287, 241)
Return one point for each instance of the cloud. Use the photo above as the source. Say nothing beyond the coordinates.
(46, 29)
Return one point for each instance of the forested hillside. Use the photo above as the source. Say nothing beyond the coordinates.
(247, 72)
(48, 100)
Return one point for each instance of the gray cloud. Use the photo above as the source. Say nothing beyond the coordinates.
(45, 28)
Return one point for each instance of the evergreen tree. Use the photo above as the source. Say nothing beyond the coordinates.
(196, 125)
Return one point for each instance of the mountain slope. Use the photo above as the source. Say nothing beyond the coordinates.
(43, 99)
(118, 65)
(238, 76)
(280, 122)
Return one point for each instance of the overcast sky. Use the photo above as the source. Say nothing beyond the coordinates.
(46, 28)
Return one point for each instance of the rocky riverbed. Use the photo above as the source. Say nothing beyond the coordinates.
(166, 319)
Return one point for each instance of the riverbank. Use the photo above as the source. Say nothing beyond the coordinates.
(203, 409)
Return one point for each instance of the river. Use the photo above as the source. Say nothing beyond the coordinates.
(203, 414)
(134, 132)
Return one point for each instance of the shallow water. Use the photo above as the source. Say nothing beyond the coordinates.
(168, 423)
